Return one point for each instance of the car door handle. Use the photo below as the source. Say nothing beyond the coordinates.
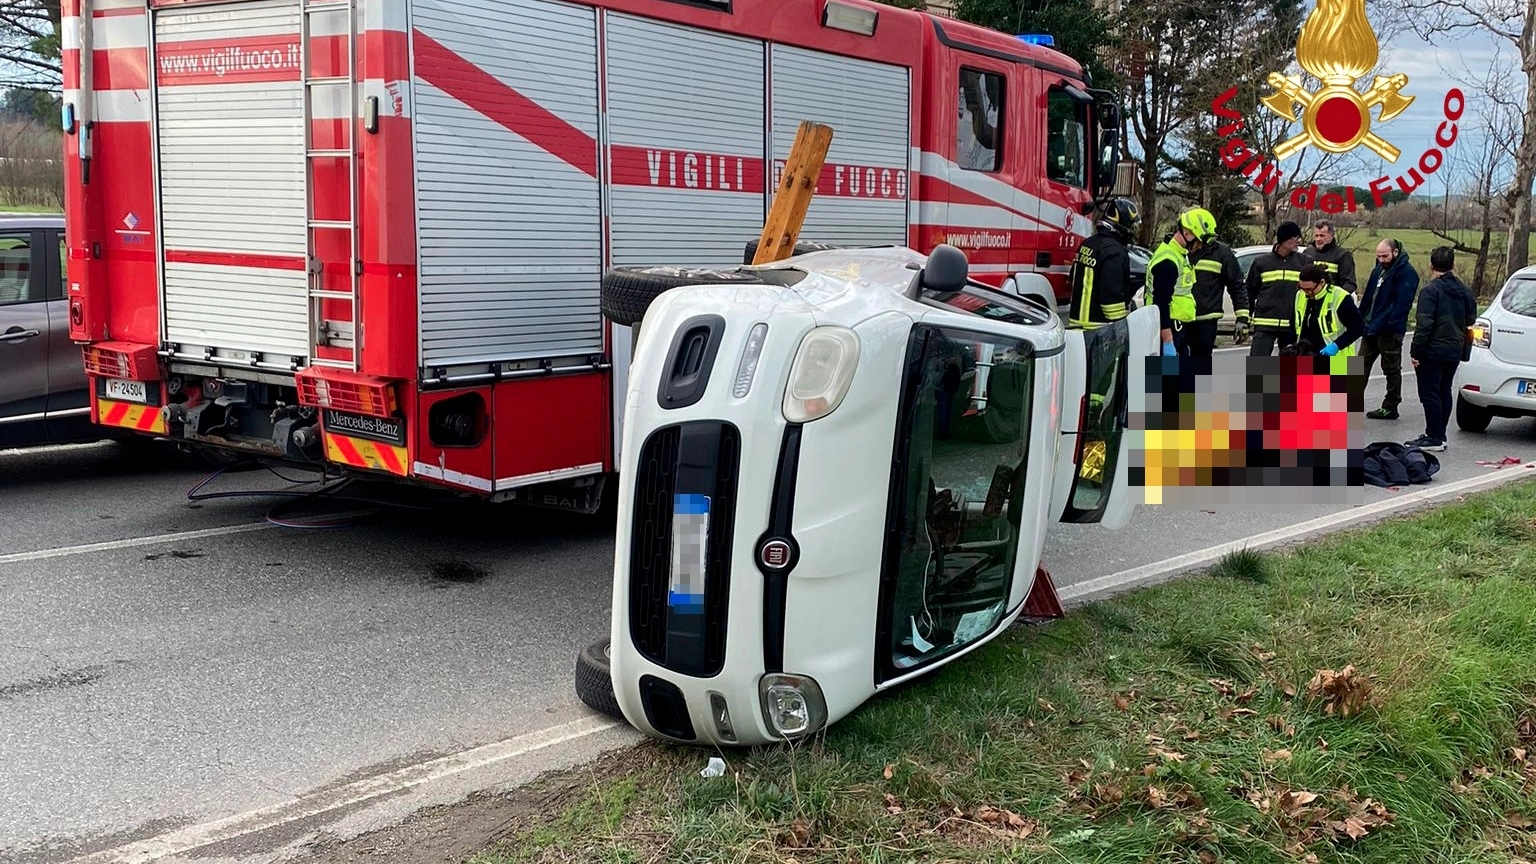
(16, 334)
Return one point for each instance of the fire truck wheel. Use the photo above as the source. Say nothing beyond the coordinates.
(804, 247)
(628, 291)
(594, 683)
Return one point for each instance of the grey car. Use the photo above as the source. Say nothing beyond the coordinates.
(43, 395)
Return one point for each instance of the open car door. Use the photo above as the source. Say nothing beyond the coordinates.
(1103, 368)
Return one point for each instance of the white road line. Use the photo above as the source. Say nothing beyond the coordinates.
(1160, 571)
(65, 551)
(193, 837)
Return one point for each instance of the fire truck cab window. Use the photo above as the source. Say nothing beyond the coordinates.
(980, 143)
(1066, 141)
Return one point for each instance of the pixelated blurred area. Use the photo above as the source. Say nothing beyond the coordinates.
(1249, 433)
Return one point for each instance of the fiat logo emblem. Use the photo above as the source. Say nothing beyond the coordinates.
(775, 554)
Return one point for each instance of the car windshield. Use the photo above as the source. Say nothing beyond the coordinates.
(1520, 297)
(955, 502)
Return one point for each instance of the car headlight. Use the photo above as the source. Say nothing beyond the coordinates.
(792, 704)
(821, 374)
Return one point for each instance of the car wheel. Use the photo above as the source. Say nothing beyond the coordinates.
(594, 682)
(1471, 418)
(628, 291)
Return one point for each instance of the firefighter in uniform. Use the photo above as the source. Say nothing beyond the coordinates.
(1272, 287)
(1326, 316)
(1171, 279)
(1101, 273)
(1216, 273)
(1336, 261)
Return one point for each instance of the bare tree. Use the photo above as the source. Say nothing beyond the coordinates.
(1479, 171)
(1515, 22)
(30, 45)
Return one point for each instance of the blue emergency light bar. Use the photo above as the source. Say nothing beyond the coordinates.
(1038, 39)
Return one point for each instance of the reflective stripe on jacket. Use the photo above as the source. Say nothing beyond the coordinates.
(1182, 307)
(1272, 285)
(1327, 317)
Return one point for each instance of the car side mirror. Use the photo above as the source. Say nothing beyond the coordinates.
(1109, 158)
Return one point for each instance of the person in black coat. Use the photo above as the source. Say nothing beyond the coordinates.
(1388, 298)
(1441, 341)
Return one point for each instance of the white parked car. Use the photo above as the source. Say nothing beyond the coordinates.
(1499, 379)
(837, 474)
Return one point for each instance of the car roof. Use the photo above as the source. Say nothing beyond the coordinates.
(1244, 250)
(23, 221)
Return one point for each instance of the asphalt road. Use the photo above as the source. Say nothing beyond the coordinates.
(158, 685)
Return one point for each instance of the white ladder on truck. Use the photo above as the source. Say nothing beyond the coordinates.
(337, 332)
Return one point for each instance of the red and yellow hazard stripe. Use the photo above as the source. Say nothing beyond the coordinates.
(144, 418)
(362, 453)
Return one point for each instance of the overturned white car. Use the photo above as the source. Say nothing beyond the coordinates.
(837, 474)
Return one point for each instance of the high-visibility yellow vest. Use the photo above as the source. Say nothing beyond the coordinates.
(1182, 306)
(1327, 317)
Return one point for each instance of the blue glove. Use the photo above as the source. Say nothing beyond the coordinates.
(1169, 350)
(1330, 349)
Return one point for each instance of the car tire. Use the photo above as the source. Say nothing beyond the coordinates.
(594, 681)
(1470, 418)
(804, 247)
(627, 292)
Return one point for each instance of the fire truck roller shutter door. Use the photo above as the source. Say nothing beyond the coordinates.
(628, 291)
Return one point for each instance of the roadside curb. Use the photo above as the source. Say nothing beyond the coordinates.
(1146, 575)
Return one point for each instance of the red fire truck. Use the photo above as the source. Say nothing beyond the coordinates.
(370, 233)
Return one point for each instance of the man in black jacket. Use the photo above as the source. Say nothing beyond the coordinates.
(1338, 262)
(1272, 285)
(1216, 272)
(1388, 296)
(1101, 273)
(1440, 342)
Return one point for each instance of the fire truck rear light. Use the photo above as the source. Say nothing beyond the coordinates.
(345, 391)
(121, 360)
(854, 19)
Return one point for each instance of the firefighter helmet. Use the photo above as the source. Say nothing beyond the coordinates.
(1199, 222)
(1121, 216)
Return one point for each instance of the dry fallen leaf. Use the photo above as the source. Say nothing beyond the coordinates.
(1247, 696)
(890, 771)
(1207, 857)
(1155, 798)
(800, 831)
(1344, 692)
(1277, 755)
(1222, 686)
(1167, 755)
(1259, 652)
(891, 804)
(1046, 705)
(1518, 753)
(1292, 801)
(1122, 703)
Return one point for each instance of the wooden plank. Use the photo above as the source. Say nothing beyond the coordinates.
(792, 200)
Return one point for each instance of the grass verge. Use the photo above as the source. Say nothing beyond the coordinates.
(1368, 698)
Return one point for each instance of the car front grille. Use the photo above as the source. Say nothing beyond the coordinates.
(699, 458)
